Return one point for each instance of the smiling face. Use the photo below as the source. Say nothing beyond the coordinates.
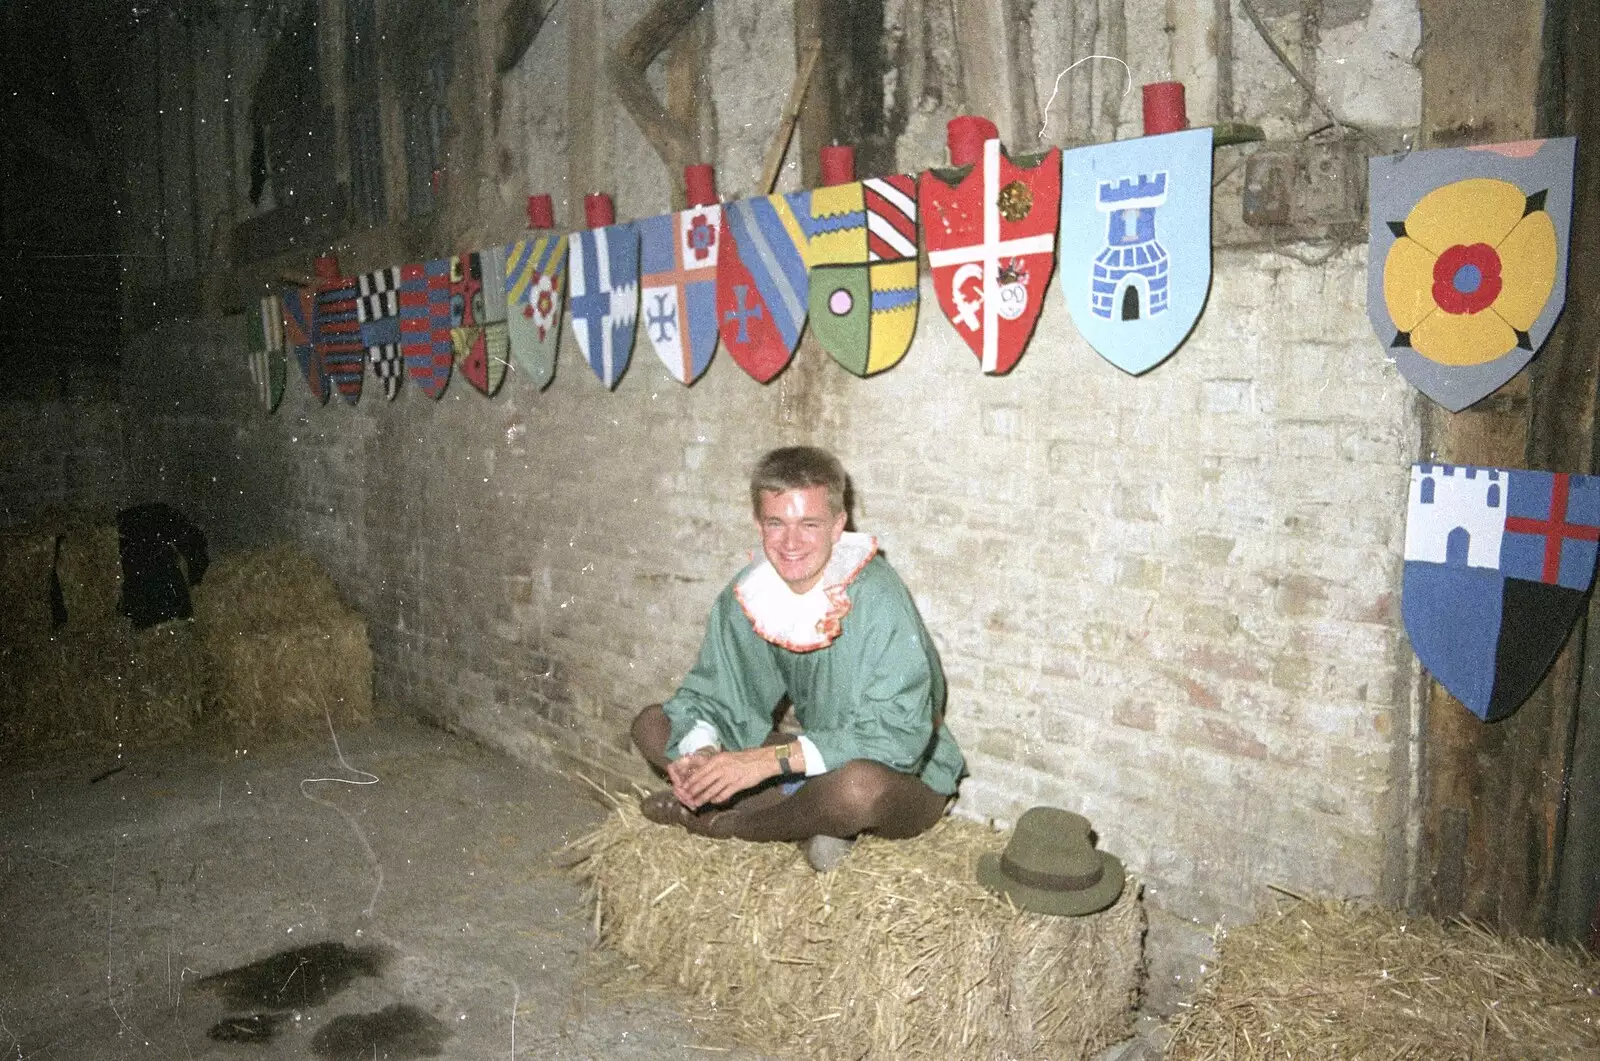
(798, 533)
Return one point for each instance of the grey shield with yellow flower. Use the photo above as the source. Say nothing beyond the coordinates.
(1467, 261)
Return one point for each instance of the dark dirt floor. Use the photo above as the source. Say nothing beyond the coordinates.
(194, 905)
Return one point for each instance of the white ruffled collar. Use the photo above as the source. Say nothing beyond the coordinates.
(804, 622)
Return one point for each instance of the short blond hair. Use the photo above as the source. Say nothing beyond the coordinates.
(797, 468)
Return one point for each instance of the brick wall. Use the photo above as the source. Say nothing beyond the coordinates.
(1169, 602)
(61, 455)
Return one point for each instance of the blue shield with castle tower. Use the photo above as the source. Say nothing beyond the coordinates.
(1497, 567)
(1135, 245)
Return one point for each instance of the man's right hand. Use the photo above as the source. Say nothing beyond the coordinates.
(681, 769)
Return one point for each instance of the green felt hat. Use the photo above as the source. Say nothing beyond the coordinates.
(1050, 866)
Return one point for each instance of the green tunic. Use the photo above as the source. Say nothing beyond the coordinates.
(874, 693)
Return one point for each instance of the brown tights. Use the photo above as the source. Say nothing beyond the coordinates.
(857, 797)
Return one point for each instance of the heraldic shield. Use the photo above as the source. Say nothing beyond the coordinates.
(478, 318)
(864, 273)
(425, 325)
(762, 285)
(678, 282)
(991, 242)
(299, 307)
(268, 362)
(1467, 261)
(603, 289)
(1497, 565)
(379, 312)
(336, 333)
(535, 271)
(1135, 245)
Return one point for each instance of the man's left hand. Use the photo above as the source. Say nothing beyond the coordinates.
(726, 774)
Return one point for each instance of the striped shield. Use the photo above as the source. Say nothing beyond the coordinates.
(379, 312)
(535, 271)
(299, 307)
(678, 263)
(762, 286)
(864, 276)
(425, 324)
(604, 285)
(336, 333)
(991, 238)
(268, 366)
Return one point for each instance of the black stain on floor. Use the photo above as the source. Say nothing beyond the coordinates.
(255, 1028)
(303, 976)
(394, 1033)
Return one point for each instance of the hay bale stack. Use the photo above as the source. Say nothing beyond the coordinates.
(90, 570)
(103, 684)
(25, 560)
(286, 655)
(899, 953)
(1340, 980)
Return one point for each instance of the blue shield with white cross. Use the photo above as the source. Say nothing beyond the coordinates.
(603, 296)
(1135, 244)
(1497, 566)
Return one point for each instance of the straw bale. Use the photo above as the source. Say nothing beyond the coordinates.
(899, 953)
(25, 587)
(267, 590)
(290, 683)
(105, 684)
(90, 570)
(1342, 980)
(287, 656)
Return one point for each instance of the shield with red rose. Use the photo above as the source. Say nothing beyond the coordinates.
(535, 277)
(1467, 261)
(991, 239)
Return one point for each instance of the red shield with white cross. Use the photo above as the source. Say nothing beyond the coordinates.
(991, 240)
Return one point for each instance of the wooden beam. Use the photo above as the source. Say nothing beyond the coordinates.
(678, 144)
(1492, 794)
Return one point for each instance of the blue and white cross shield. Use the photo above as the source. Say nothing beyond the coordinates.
(603, 294)
(678, 281)
(1135, 243)
(1497, 565)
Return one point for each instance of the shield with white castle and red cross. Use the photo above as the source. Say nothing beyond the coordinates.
(1498, 565)
(990, 237)
(678, 284)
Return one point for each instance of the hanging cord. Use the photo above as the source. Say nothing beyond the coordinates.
(1127, 85)
(360, 834)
